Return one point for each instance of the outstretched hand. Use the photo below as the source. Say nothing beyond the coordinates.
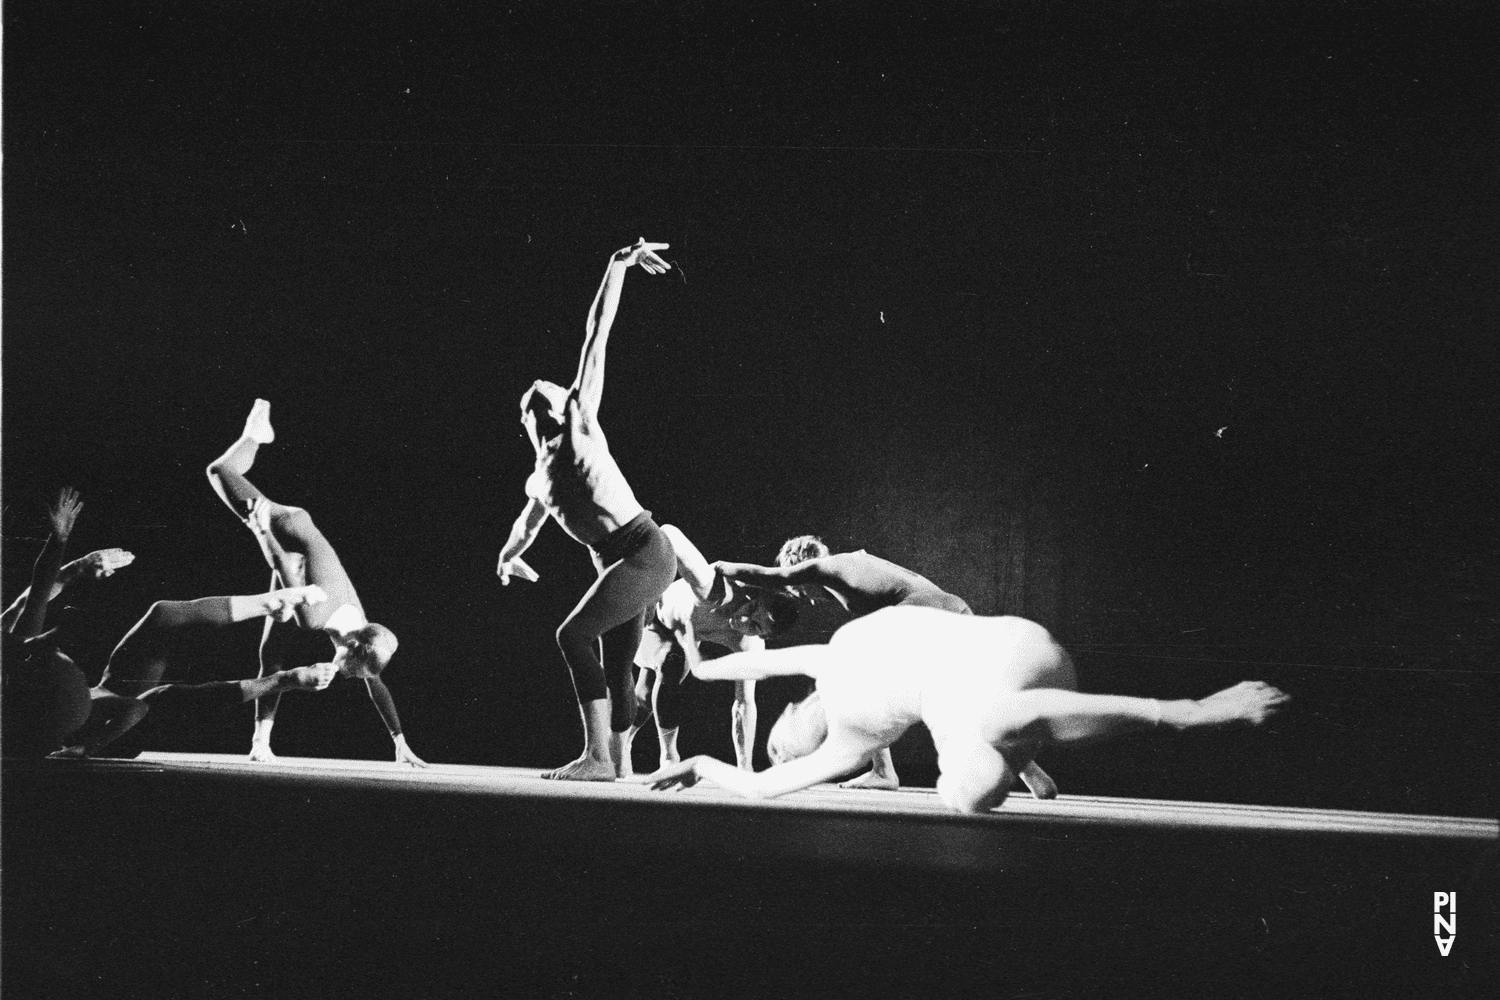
(102, 563)
(644, 254)
(682, 775)
(64, 511)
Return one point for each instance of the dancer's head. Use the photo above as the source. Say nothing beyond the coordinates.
(801, 729)
(365, 651)
(801, 549)
(765, 613)
(542, 408)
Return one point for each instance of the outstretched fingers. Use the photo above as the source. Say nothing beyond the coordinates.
(64, 511)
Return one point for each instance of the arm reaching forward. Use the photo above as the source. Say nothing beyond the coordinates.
(772, 577)
(589, 383)
(835, 757)
(95, 566)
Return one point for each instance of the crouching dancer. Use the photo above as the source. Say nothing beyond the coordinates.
(994, 692)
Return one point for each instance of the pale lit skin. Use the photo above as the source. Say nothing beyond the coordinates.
(989, 705)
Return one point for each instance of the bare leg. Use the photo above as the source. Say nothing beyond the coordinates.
(742, 721)
(1043, 716)
(976, 773)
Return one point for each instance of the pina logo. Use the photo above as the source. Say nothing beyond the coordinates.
(1441, 924)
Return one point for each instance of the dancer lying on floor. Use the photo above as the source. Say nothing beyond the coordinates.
(720, 627)
(131, 682)
(993, 692)
(299, 554)
(861, 584)
(578, 484)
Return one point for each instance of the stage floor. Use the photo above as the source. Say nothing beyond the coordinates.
(207, 875)
(922, 803)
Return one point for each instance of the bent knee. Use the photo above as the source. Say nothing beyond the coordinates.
(291, 521)
(573, 636)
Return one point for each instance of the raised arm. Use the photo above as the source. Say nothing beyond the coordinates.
(522, 534)
(62, 514)
(96, 565)
(386, 706)
(589, 382)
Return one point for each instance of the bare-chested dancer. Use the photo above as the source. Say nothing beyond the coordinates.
(993, 692)
(299, 554)
(578, 484)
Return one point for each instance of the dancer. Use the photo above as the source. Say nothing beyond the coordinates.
(736, 625)
(45, 695)
(299, 554)
(131, 684)
(578, 484)
(860, 583)
(993, 692)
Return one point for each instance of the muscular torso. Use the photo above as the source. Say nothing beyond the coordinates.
(865, 583)
(903, 665)
(578, 482)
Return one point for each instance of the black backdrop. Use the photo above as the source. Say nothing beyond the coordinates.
(1166, 325)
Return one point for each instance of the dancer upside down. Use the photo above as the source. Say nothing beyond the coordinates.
(299, 554)
(578, 484)
(993, 692)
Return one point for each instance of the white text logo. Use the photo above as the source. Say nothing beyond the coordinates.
(1442, 924)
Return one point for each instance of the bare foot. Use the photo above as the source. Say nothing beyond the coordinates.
(585, 768)
(1040, 782)
(258, 424)
(1248, 703)
(873, 779)
(260, 753)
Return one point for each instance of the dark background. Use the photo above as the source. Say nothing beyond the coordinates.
(1168, 325)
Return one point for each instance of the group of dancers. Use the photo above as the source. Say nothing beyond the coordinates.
(993, 691)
